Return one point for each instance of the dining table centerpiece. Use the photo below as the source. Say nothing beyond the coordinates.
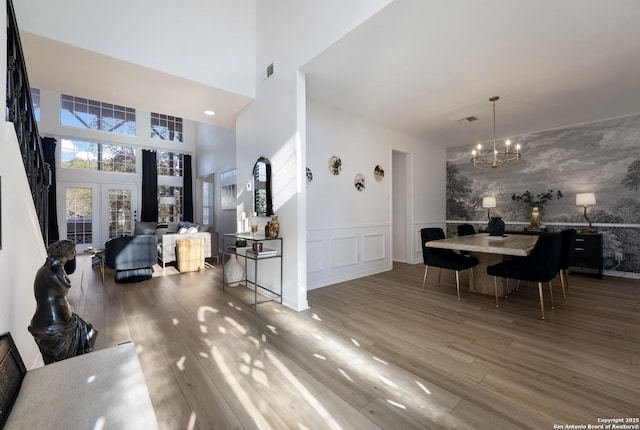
(536, 203)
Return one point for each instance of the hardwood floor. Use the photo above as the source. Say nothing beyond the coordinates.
(374, 353)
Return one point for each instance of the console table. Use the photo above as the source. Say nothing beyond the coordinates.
(271, 249)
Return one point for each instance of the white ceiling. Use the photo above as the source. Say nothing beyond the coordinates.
(66, 69)
(417, 66)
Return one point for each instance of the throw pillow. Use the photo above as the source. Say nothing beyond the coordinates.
(192, 230)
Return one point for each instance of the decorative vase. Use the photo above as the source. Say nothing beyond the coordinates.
(536, 217)
(273, 229)
(233, 272)
(496, 226)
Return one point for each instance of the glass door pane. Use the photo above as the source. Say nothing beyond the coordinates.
(119, 210)
(119, 213)
(79, 215)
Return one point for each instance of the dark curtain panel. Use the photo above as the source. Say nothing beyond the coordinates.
(149, 186)
(49, 149)
(187, 189)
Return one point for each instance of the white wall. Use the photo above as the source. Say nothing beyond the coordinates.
(349, 232)
(273, 125)
(216, 154)
(207, 41)
(23, 250)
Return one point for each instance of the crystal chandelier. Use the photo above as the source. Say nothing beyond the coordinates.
(492, 159)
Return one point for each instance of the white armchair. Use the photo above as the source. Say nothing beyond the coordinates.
(167, 245)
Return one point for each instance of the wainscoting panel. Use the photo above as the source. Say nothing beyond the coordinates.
(373, 247)
(344, 251)
(349, 252)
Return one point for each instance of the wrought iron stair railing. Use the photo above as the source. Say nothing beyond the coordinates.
(20, 112)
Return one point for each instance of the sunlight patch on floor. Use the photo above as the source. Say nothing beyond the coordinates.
(396, 404)
(202, 312)
(306, 395)
(388, 381)
(180, 363)
(380, 360)
(239, 392)
(346, 376)
(425, 389)
(192, 421)
(234, 324)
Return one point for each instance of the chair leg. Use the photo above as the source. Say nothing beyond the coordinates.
(563, 282)
(426, 269)
(506, 288)
(541, 299)
(566, 279)
(551, 294)
(458, 284)
(518, 285)
(439, 275)
(471, 280)
(495, 288)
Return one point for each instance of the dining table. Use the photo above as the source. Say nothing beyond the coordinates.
(488, 250)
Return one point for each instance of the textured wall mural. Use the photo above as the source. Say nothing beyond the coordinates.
(601, 157)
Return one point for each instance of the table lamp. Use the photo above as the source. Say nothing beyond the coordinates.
(586, 199)
(489, 202)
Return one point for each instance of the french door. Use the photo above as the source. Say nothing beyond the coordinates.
(89, 214)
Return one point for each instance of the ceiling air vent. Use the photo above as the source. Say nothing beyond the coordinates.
(466, 120)
(268, 71)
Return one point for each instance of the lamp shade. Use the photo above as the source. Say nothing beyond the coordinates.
(585, 199)
(488, 202)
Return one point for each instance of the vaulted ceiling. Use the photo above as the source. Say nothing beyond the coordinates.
(416, 66)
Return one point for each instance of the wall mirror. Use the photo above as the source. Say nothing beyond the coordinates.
(262, 205)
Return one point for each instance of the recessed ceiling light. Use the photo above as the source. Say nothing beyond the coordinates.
(209, 112)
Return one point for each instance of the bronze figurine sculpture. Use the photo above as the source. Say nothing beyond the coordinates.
(59, 332)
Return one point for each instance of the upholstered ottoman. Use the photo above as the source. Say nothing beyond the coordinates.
(190, 254)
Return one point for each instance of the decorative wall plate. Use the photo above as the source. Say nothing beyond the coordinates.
(378, 173)
(309, 176)
(335, 165)
(358, 182)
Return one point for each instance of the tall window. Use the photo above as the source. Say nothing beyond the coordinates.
(207, 200)
(169, 203)
(166, 127)
(169, 163)
(96, 115)
(35, 100)
(80, 154)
